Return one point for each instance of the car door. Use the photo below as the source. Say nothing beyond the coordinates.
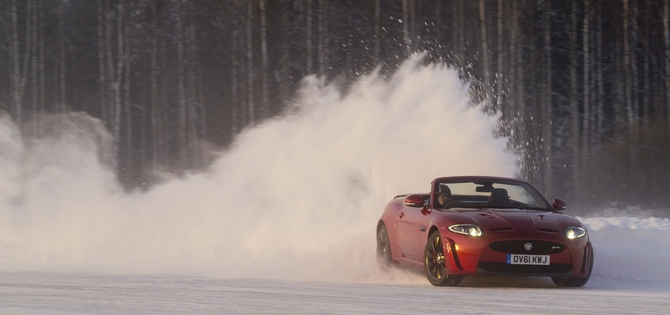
(407, 224)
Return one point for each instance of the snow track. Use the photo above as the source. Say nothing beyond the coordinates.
(65, 293)
(631, 276)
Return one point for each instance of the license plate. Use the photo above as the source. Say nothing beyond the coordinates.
(513, 259)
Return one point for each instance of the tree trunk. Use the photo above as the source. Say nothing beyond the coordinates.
(126, 92)
(574, 107)
(156, 106)
(412, 21)
(285, 53)
(323, 37)
(19, 72)
(438, 27)
(548, 106)
(250, 69)
(62, 97)
(513, 75)
(500, 53)
(626, 64)
(377, 30)
(350, 63)
(114, 73)
(666, 35)
(485, 49)
(264, 56)
(586, 79)
(633, 137)
(461, 30)
(102, 69)
(520, 96)
(600, 88)
(520, 82)
(405, 27)
(635, 105)
(234, 85)
(41, 103)
(34, 76)
(182, 132)
(455, 23)
(194, 92)
(163, 115)
(308, 38)
(646, 87)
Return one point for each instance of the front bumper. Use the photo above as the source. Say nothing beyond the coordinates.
(479, 257)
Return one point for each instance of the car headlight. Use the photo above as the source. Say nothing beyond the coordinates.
(574, 232)
(466, 229)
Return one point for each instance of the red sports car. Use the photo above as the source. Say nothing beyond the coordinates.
(479, 226)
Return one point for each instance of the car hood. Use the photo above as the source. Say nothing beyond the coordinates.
(514, 219)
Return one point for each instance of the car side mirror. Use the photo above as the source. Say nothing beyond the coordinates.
(414, 201)
(559, 204)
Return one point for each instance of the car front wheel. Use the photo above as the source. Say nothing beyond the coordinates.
(576, 282)
(434, 264)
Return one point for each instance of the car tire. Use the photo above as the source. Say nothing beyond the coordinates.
(576, 282)
(384, 257)
(434, 264)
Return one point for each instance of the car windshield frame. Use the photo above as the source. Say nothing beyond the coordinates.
(478, 190)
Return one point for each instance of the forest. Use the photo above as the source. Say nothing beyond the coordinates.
(582, 87)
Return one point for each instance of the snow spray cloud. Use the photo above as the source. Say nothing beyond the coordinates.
(296, 197)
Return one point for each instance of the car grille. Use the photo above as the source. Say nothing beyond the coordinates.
(519, 247)
(505, 269)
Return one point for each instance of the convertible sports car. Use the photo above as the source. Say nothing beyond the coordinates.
(479, 226)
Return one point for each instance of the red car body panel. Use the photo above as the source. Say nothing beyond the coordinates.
(409, 227)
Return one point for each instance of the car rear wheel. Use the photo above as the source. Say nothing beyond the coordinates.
(434, 264)
(384, 257)
(576, 282)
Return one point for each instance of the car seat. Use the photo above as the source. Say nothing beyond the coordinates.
(499, 197)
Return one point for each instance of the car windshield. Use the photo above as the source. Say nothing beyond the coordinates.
(488, 194)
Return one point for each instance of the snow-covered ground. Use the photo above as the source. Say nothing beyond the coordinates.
(631, 276)
(283, 221)
(94, 294)
(630, 251)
